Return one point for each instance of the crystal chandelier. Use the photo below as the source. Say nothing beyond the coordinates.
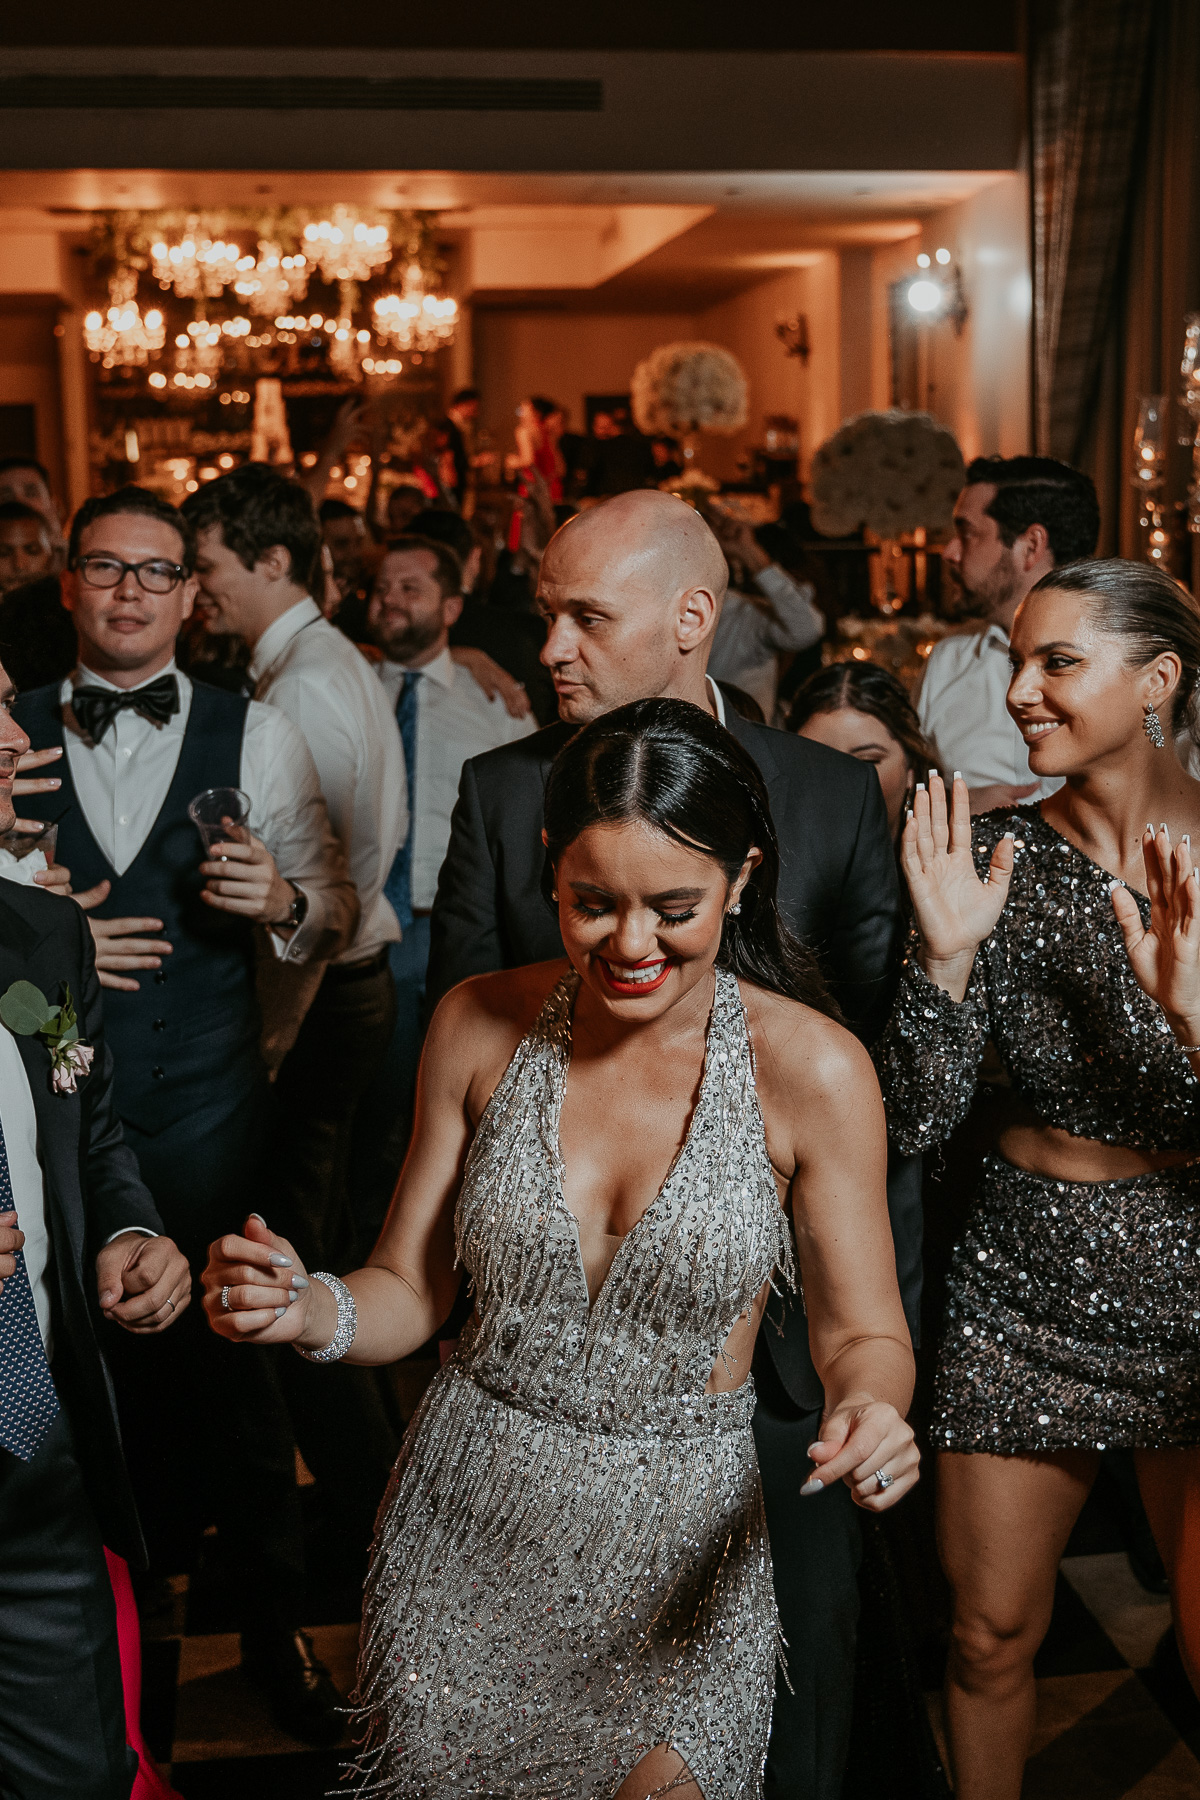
(198, 265)
(345, 247)
(274, 282)
(413, 319)
(120, 337)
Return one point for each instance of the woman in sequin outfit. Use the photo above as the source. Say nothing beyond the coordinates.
(571, 1587)
(1065, 934)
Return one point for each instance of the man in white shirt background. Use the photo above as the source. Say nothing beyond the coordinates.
(444, 716)
(178, 951)
(258, 544)
(1017, 518)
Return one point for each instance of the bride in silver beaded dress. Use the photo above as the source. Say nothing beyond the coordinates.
(571, 1589)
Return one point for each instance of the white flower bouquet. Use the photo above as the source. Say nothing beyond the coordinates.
(890, 472)
(684, 387)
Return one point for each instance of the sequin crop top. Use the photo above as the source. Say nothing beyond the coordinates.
(1052, 987)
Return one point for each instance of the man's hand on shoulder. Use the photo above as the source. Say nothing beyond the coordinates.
(144, 1283)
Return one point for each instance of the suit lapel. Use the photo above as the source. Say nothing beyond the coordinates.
(23, 957)
(756, 741)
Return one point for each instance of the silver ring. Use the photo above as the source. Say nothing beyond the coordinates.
(170, 1303)
(225, 1306)
(885, 1480)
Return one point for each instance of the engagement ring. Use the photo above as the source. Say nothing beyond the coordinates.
(225, 1306)
(884, 1479)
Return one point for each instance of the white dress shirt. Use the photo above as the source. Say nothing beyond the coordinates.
(123, 781)
(755, 629)
(963, 712)
(309, 670)
(455, 720)
(19, 1122)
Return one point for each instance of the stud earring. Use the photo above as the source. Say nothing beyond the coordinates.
(735, 908)
(1152, 725)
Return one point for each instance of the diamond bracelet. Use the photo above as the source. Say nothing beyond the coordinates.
(347, 1321)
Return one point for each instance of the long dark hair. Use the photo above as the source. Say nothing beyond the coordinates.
(866, 688)
(1152, 612)
(668, 763)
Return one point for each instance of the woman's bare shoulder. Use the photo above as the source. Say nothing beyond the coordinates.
(489, 1013)
(803, 1057)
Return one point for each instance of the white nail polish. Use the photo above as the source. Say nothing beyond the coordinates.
(957, 772)
(279, 1311)
(279, 1262)
(813, 1486)
(920, 788)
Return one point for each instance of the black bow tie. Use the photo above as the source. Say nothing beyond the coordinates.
(95, 708)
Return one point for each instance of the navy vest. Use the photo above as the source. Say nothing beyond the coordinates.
(190, 1033)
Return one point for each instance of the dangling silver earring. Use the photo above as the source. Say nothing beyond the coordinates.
(735, 908)
(1153, 728)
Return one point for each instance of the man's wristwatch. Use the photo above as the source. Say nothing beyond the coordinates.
(297, 912)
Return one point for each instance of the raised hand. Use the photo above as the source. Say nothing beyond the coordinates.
(255, 1288)
(1166, 956)
(954, 910)
(42, 784)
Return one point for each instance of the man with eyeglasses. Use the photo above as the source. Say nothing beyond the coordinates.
(177, 937)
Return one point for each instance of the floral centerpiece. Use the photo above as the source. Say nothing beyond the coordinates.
(683, 388)
(889, 472)
(895, 476)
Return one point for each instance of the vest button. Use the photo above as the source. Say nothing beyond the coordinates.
(160, 975)
(158, 1025)
(158, 1074)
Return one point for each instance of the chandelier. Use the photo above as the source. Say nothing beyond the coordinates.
(413, 319)
(198, 266)
(345, 247)
(274, 282)
(120, 337)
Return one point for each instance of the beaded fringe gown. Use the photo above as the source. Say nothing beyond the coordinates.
(571, 1566)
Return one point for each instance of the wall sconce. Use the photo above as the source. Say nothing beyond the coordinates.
(935, 297)
(793, 335)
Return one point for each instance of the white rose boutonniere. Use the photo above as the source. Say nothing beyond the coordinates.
(27, 1012)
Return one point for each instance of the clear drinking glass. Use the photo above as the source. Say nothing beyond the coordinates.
(21, 844)
(221, 816)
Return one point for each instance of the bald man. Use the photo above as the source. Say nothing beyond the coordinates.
(631, 592)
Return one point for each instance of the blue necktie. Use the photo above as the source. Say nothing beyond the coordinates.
(398, 886)
(28, 1402)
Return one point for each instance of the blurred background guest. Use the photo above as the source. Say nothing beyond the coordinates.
(444, 716)
(23, 479)
(1017, 518)
(862, 710)
(37, 634)
(27, 545)
(765, 615)
(540, 425)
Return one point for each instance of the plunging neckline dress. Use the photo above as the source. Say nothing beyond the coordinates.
(571, 1563)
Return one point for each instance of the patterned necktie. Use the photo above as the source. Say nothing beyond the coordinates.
(398, 887)
(28, 1402)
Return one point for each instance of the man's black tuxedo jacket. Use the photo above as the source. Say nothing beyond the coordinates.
(838, 891)
(91, 1184)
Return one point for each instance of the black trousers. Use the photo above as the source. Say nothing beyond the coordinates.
(344, 1425)
(816, 1548)
(207, 1433)
(62, 1713)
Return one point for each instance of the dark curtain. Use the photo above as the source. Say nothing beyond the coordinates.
(1115, 127)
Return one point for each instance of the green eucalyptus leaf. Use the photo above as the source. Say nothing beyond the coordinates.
(23, 1008)
(70, 1035)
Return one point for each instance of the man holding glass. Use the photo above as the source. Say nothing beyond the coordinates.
(177, 929)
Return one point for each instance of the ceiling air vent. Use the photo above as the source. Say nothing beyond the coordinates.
(299, 93)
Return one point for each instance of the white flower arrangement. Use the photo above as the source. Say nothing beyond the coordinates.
(890, 472)
(688, 387)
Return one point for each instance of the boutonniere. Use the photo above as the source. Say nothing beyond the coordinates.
(26, 1011)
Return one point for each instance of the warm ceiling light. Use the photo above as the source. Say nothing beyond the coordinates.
(923, 260)
(925, 296)
(943, 256)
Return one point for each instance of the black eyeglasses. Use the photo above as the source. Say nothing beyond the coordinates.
(109, 572)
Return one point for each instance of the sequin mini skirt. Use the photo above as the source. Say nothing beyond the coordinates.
(1073, 1315)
